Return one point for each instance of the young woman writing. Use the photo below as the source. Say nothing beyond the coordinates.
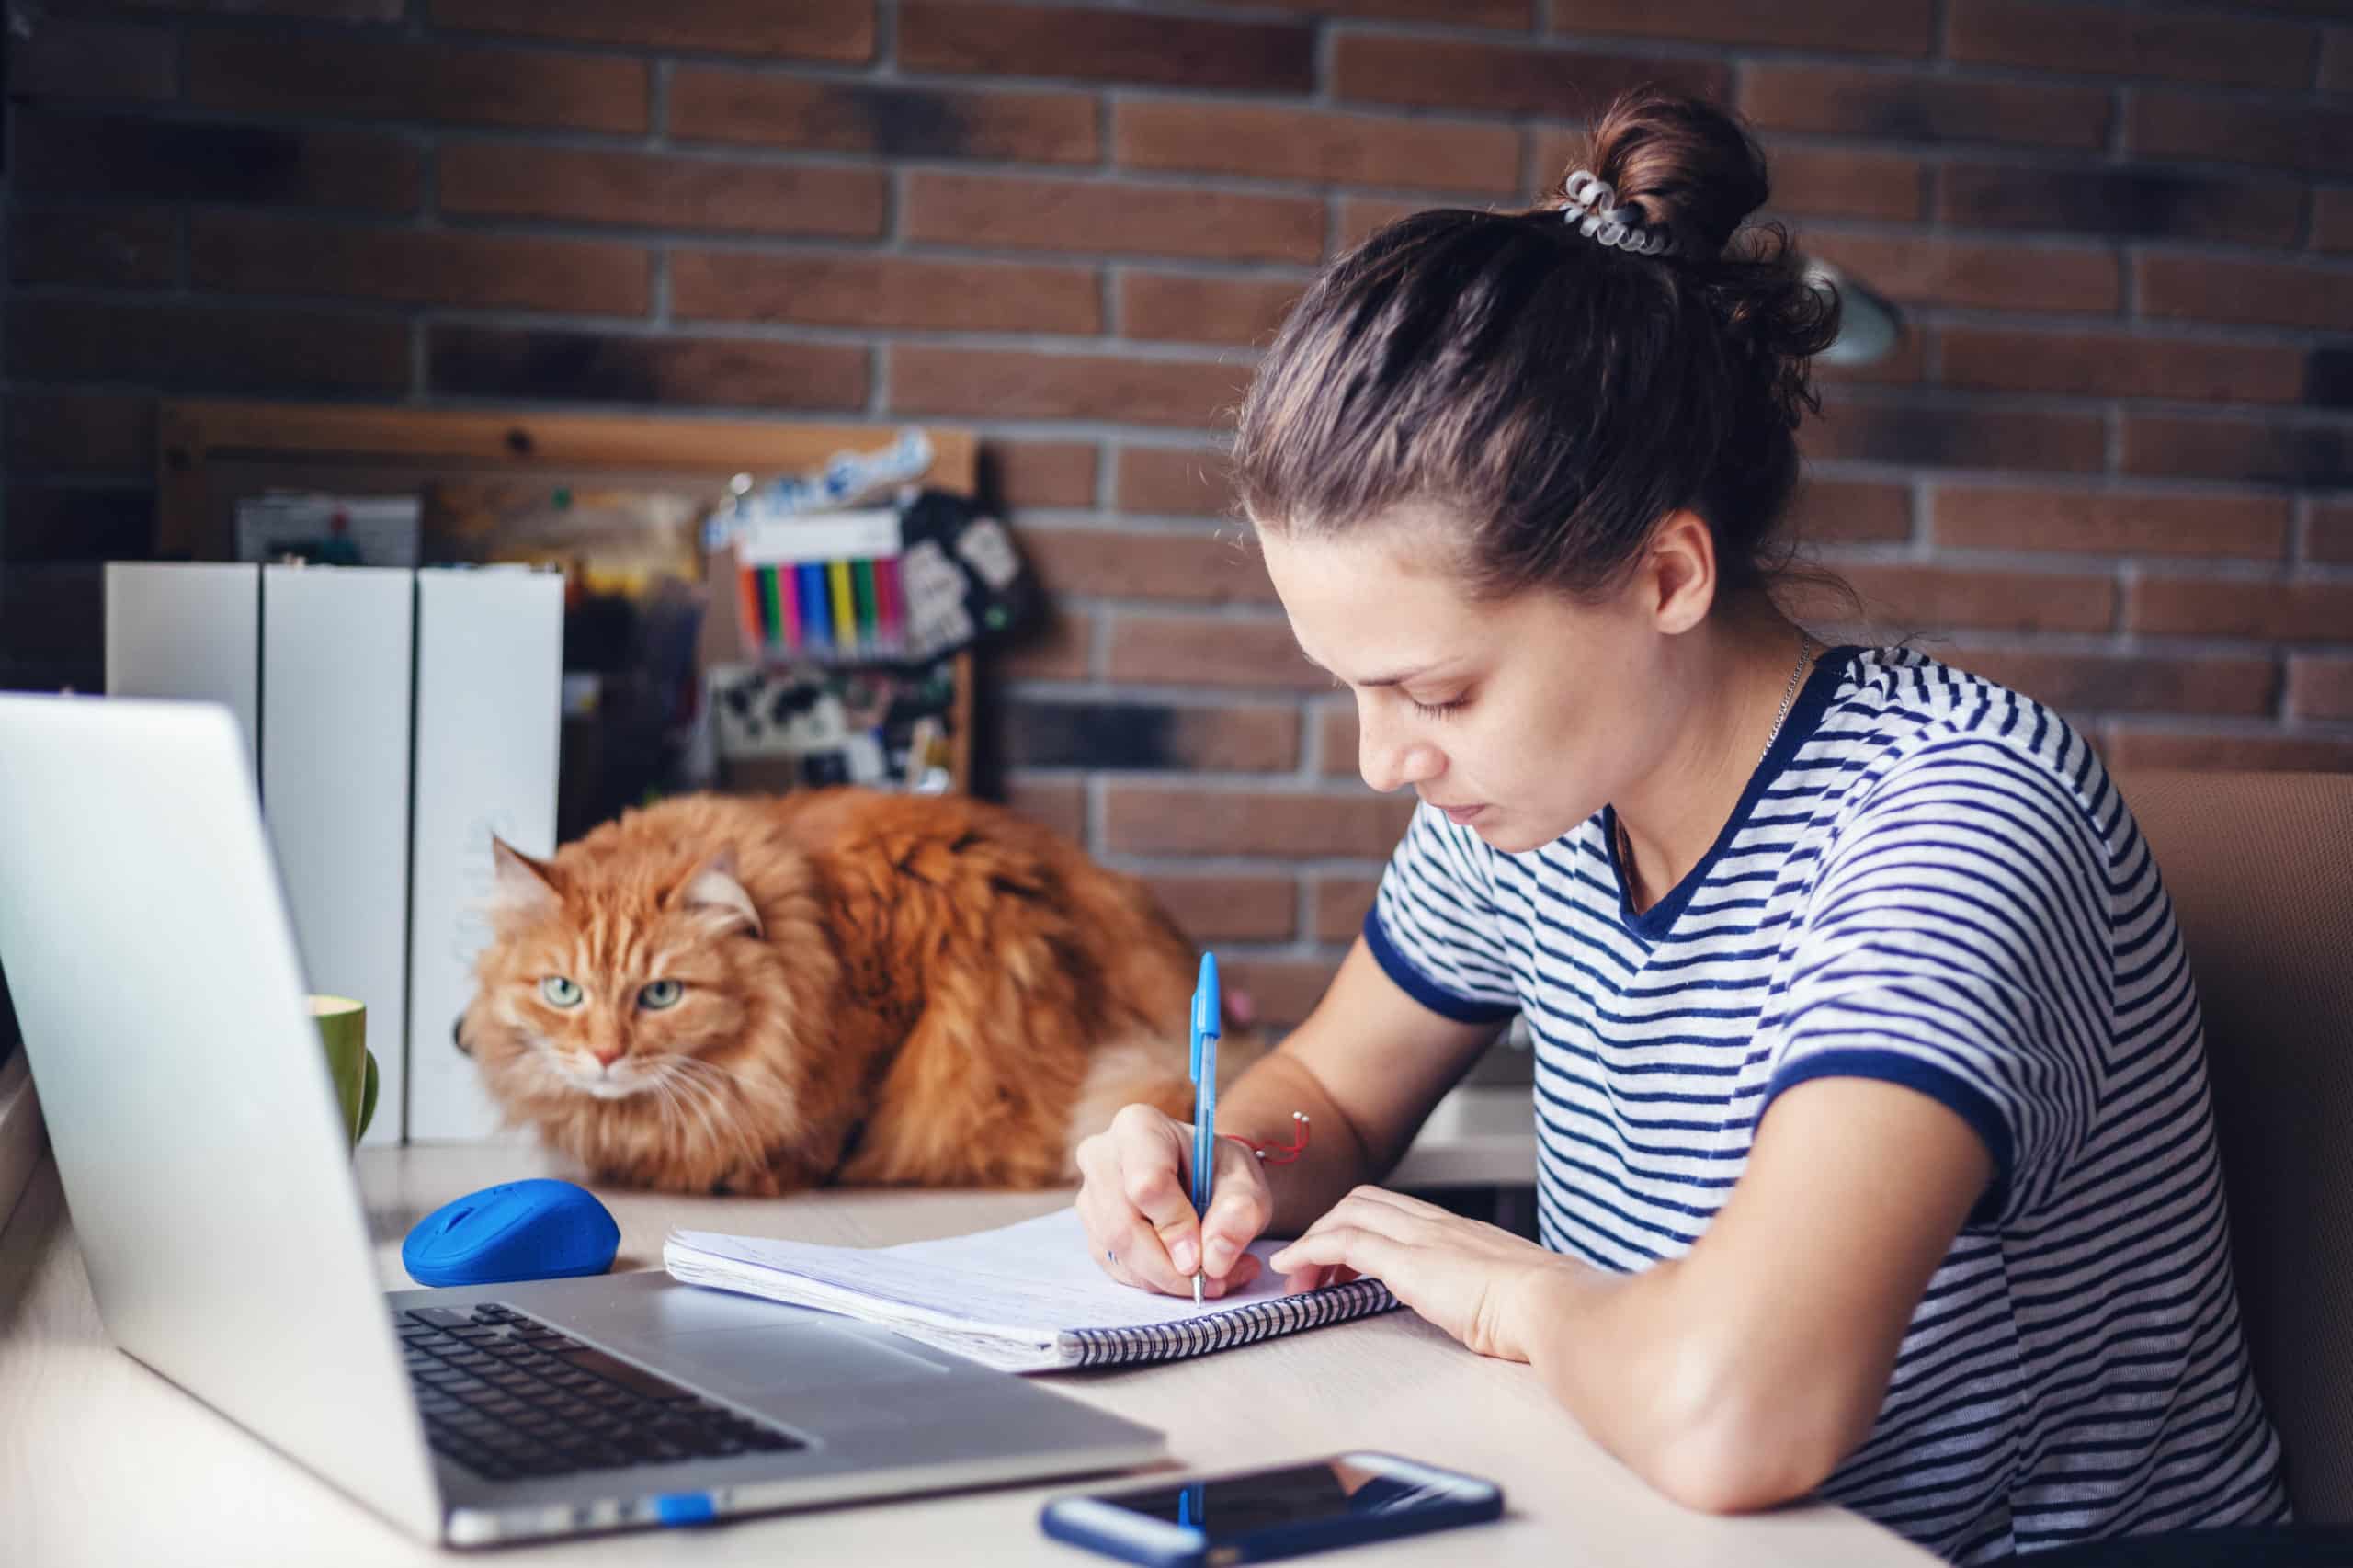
(1875, 1156)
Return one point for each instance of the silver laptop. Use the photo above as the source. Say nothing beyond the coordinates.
(188, 1104)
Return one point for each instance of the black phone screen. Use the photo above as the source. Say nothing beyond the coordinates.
(1269, 1499)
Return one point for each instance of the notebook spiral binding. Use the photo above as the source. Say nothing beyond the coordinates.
(1238, 1325)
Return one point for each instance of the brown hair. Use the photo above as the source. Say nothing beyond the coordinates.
(1557, 396)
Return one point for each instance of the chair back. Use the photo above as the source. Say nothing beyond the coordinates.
(2259, 866)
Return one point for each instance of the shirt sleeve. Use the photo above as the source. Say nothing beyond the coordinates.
(1433, 924)
(1959, 942)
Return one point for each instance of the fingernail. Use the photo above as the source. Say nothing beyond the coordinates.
(1276, 1263)
(1181, 1255)
(1217, 1259)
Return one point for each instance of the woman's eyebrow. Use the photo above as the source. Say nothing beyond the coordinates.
(1398, 679)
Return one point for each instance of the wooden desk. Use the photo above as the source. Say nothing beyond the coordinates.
(103, 1462)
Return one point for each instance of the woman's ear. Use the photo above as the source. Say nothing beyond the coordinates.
(714, 891)
(1679, 575)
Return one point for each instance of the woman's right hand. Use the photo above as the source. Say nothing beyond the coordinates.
(1135, 1197)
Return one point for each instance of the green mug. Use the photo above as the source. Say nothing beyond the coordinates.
(343, 1029)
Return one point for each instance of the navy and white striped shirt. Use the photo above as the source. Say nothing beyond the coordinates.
(1929, 881)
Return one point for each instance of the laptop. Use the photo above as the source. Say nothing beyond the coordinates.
(196, 1133)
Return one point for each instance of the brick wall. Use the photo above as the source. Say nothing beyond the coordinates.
(2109, 464)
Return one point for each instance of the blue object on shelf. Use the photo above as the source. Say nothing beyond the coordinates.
(540, 1229)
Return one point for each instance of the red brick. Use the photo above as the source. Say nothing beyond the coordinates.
(1059, 803)
(1281, 992)
(1955, 438)
(1181, 307)
(88, 155)
(1229, 908)
(1868, 27)
(1039, 474)
(2138, 683)
(2332, 220)
(717, 103)
(254, 254)
(1102, 216)
(206, 347)
(1498, 78)
(1115, 46)
(2115, 364)
(1341, 904)
(1259, 738)
(1841, 182)
(659, 190)
(1998, 275)
(1938, 598)
(1910, 106)
(2275, 293)
(2192, 125)
(1185, 481)
(1154, 819)
(2269, 608)
(2266, 450)
(82, 522)
(123, 246)
(481, 361)
(1519, 14)
(1336, 726)
(2147, 202)
(1042, 732)
(2103, 40)
(377, 76)
(2236, 751)
(807, 29)
(2107, 522)
(1128, 563)
(2320, 688)
(60, 59)
(1202, 651)
(1001, 383)
(1361, 215)
(2328, 533)
(80, 431)
(1060, 649)
(1851, 511)
(1271, 141)
(872, 290)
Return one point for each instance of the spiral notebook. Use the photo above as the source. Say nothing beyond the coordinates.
(1026, 1298)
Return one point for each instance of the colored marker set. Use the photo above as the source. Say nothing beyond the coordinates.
(826, 588)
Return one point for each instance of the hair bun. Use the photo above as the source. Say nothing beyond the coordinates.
(1688, 165)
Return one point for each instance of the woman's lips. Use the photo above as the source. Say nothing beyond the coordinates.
(1462, 814)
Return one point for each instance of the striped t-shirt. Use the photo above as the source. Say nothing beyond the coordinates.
(1929, 881)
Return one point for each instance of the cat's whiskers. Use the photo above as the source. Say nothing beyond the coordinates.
(709, 1106)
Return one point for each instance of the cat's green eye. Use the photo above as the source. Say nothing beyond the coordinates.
(660, 993)
(560, 992)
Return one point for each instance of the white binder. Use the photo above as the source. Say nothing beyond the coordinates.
(335, 649)
(187, 631)
(488, 683)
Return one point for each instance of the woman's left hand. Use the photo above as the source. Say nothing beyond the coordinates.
(1474, 1281)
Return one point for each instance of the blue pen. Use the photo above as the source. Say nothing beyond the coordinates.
(1205, 1029)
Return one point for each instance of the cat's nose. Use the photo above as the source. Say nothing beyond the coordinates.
(607, 1058)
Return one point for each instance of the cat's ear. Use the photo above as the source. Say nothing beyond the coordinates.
(524, 886)
(714, 890)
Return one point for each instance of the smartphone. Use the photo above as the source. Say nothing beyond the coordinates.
(1251, 1515)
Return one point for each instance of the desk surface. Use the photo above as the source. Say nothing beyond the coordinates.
(101, 1461)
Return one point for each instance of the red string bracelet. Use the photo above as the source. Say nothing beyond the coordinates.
(1278, 1157)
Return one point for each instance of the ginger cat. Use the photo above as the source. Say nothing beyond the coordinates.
(758, 995)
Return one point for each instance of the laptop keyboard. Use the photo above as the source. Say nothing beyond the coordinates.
(509, 1397)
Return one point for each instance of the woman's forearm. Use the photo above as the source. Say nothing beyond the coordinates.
(1258, 1107)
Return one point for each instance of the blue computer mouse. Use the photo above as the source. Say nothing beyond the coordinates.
(540, 1229)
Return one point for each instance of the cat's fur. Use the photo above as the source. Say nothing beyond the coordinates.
(877, 988)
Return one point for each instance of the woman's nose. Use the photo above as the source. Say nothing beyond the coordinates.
(1390, 761)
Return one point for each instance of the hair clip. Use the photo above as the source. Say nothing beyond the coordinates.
(1592, 205)
(1284, 1155)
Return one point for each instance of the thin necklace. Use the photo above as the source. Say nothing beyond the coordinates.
(1805, 639)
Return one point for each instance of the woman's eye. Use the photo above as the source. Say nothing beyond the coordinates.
(560, 992)
(1438, 710)
(661, 994)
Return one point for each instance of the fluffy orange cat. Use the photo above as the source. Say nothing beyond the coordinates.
(756, 995)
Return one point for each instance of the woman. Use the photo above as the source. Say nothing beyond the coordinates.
(1875, 1149)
